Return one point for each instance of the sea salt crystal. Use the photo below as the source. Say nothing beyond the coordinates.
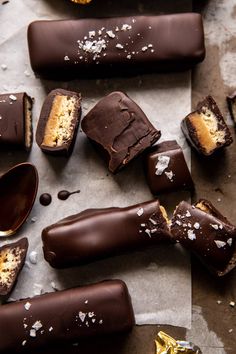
(215, 226)
(126, 27)
(140, 212)
(219, 243)
(188, 214)
(37, 325)
(144, 49)
(111, 34)
(92, 34)
(82, 316)
(169, 175)
(162, 164)
(27, 306)
(33, 257)
(229, 241)
(66, 58)
(196, 226)
(13, 98)
(191, 235)
(119, 46)
(148, 232)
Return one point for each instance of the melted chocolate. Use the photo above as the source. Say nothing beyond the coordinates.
(45, 199)
(64, 195)
(98, 233)
(65, 316)
(18, 189)
(115, 46)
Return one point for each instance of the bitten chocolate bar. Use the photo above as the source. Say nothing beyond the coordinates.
(58, 122)
(119, 129)
(202, 229)
(12, 259)
(98, 233)
(115, 46)
(65, 316)
(16, 121)
(206, 129)
(166, 169)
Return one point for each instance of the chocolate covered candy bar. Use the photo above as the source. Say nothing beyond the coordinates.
(166, 169)
(115, 46)
(12, 259)
(65, 316)
(58, 122)
(98, 233)
(231, 101)
(119, 129)
(206, 129)
(16, 121)
(202, 229)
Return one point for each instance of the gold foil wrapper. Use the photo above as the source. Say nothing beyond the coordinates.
(83, 2)
(168, 345)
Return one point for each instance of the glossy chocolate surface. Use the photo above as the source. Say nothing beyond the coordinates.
(98, 233)
(15, 121)
(207, 107)
(12, 259)
(207, 234)
(119, 129)
(70, 132)
(65, 316)
(18, 189)
(166, 169)
(115, 46)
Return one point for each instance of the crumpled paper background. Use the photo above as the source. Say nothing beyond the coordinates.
(159, 279)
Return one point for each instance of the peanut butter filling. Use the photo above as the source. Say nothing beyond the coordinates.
(207, 130)
(164, 214)
(9, 261)
(59, 126)
(28, 122)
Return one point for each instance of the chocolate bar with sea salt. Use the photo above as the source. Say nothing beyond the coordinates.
(203, 230)
(118, 46)
(99, 233)
(65, 317)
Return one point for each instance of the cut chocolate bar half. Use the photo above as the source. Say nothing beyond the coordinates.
(12, 259)
(58, 122)
(203, 230)
(231, 101)
(206, 129)
(16, 121)
(119, 129)
(166, 169)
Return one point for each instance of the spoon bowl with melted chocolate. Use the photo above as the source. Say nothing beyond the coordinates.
(18, 189)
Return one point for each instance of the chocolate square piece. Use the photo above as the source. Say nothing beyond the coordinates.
(166, 169)
(120, 129)
(206, 129)
(58, 122)
(231, 101)
(202, 229)
(16, 120)
(12, 259)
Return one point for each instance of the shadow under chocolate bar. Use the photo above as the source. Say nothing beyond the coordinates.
(88, 48)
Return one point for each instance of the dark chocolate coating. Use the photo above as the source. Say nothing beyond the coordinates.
(18, 251)
(66, 148)
(120, 129)
(231, 101)
(208, 234)
(119, 46)
(18, 189)
(13, 121)
(98, 233)
(181, 178)
(66, 316)
(190, 132)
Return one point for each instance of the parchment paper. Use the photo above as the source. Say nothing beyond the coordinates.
(159, 280)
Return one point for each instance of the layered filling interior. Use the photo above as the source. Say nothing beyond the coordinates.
(10, 259)
(59, 127)
(207, 129)
(28, 122)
